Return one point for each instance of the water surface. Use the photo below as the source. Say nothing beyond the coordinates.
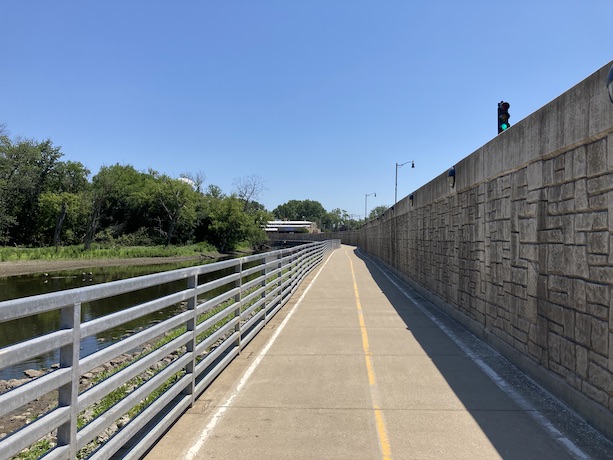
(19, 330)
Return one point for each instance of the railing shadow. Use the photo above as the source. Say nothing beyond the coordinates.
(507, 425)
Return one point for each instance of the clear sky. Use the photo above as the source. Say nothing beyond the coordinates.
(319, 98)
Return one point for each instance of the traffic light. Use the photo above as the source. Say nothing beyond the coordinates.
(503, 116)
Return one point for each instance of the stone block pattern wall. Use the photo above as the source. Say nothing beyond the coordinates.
(521, 250)
(528, 256)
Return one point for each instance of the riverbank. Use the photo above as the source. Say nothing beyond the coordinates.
(13, 421)
(30, 267)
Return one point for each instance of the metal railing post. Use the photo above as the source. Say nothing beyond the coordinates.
(237, 300)
(70, 318)
(280, 275)
(190, 368)
(264, 273)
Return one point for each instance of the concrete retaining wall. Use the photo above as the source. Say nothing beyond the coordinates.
(521, 249)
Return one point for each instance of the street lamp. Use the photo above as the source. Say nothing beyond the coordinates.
(366, 204)
(400, 165)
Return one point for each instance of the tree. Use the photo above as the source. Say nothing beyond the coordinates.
(225, 222)
(44, 200)
(214, 191)
(68, 176)
(227, 225)
(45, 159)
(67, 181)
(109, 187)
(335, 220)
(6, 219)
(25, 169)
(339, 220)
(197, 179)
(377, 211)
(254, 206)
(62, 217)
(176, 206)
(301, 210)
(248, 188)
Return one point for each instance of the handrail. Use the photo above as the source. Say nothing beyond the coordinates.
(222, 312)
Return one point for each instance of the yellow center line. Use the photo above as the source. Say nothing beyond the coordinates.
(380, 422)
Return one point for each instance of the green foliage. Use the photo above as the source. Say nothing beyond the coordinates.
(68, 176)
(339, 220)
(46, 202)
(301, 210)
(213, 191)
(377, 211)
(29, 169)
(174, 209)
(9, 254)
(36, 450)
(140, 237)
(49, 208)
(228, 225)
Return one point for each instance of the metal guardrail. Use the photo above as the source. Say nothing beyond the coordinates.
(226, 305)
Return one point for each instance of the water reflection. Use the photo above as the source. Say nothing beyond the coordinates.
(27, 285)
(15, 287)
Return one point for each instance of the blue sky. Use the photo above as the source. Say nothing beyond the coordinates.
(319, 98)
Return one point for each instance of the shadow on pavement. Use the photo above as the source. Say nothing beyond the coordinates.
(510, 427)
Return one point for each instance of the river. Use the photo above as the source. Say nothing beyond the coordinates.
(27, 285)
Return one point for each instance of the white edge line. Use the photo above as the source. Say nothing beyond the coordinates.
(192, 453)
(493, 375)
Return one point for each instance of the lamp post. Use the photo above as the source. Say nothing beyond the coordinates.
(366, 204)
(398, 166)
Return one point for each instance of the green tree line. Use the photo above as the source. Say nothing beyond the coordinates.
(333, 221)
(47, 201)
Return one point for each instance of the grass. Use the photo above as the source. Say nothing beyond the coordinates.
(37, 450)
(10, 254)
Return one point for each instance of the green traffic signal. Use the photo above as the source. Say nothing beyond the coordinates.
(503, 116)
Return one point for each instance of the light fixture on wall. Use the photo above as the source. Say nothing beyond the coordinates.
(610, 84)
(411, 199)
(451, 177)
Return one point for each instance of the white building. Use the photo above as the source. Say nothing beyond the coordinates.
(291, 226)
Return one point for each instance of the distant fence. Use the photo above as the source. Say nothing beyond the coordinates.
(123, 414)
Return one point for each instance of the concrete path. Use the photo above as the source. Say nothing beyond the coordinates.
(358, 367)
